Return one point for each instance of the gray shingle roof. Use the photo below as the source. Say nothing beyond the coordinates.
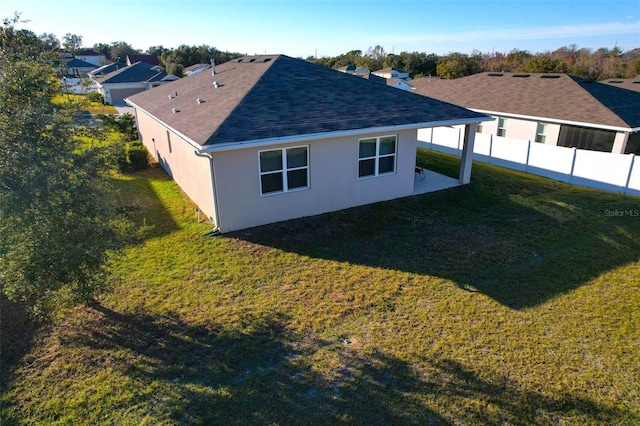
(552, 96)
(138, 72)
(278, 96)
(79, 63)
(109, 68)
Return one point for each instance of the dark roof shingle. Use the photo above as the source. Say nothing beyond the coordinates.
(552, 96)
(278, 96)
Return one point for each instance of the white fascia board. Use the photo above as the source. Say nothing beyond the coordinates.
(320, 136)
(558, 121)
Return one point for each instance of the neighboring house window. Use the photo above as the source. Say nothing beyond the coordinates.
(283, 170)
(586, 138)
(169, 141)
(377, 156)
(541, 133)
(502, 127)
(479, 128)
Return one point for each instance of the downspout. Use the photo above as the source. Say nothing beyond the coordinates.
(216, 216)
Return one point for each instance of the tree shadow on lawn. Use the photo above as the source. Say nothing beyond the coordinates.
(17, 337)
(521, 255)
(139, 200)
(259, 373)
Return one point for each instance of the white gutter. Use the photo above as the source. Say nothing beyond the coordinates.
(216, 214)
(318, 136)
(558, 121)
(218, 147)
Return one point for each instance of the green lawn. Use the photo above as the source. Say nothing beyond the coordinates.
(512, 300)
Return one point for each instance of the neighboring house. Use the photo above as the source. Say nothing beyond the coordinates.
(392, 73)
(106, 69)
(194, 69)
(92, 57)
(348, 69)
(625, 83)
(271, 138)
(76, 68)
(117, 85)
(399, 84)
(554, 109)
(362, 71)
(149, 59)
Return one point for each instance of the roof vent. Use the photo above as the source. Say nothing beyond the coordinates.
(495, 74)
(200, 100)
(175, 110)
(216, 84)
(521, 75)
(635, 82)
(171, 96)
(550, 76)
(213, 66)
(615, 81)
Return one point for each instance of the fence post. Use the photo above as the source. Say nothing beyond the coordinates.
(490, 147)
(573, 164)
(631, 167)
(526, 163)
(431, 139)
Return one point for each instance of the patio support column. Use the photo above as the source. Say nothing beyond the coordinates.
(620, 142)
(467, 153)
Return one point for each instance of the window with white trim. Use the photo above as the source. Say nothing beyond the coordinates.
(284, 170)
(377, 156)
(502, 127)
(541, 133)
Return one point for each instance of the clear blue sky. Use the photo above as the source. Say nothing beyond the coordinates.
(302, 27)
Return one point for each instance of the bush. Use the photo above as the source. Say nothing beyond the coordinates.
(133, 156)
(95, 97)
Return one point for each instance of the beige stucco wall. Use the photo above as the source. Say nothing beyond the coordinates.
(333, 177)
(333, 182)
(523, 129)
(188, 170)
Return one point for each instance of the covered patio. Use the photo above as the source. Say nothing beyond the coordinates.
(425, 180)
(432, 182)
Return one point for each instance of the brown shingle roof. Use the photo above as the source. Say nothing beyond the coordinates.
(551, 96)
(278, 96)
(625, 83)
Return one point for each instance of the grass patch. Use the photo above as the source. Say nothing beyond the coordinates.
(512, 300)
(91, 106)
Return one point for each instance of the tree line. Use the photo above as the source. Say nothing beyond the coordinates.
(599, 64)
(175, 60)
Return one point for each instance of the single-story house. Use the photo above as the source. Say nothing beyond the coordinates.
(195, 69)
(392, 73)
(399, 83)
(106, 69)
(348, 69)
(149, 59)
(76, 68)
(91, 56)
(554, 109)
(264, 139)
(117, 85)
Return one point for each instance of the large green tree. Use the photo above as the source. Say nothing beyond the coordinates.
(57, 229)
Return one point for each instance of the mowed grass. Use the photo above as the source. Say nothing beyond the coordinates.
(512, 300)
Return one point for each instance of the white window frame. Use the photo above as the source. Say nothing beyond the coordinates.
(541, 136)
(502, 130)
(283, 170)
(377, 157)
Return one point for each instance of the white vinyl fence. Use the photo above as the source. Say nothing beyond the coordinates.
(594, 169)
